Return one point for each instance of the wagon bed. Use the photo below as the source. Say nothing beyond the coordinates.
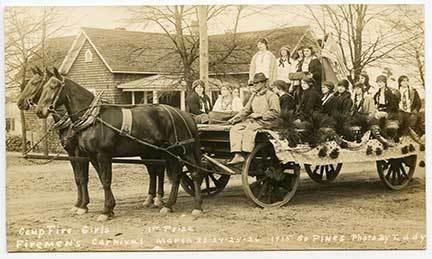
(271, 172)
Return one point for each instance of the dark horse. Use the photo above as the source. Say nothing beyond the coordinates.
(156, 125)
(29, 96)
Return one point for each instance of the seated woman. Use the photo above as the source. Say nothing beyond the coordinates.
(224, 101)
(386, 117)
(363, 103)
(198, 103)
(410, 103)
(328, 100)
(310, 100)
(237, 104)
(281, 88)
(224, 107)
(344, 102)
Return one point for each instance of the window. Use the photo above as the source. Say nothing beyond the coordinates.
(88, 56)
(10, 124)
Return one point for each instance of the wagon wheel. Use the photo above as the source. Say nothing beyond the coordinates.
(211, 185)
(266, 181)
(397, 173)
(323, 174)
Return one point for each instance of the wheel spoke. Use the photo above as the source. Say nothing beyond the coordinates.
(327, 172)
(215, 181)
(262, 190)
(387, 176)
(316, 169)
(404, 172)
(321, 172)
(393, 176)
(385, 165)
(207, 182)
(332, 169)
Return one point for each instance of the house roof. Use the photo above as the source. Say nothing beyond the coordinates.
(163, 82)
(239, 59)
(55, 52)
(154, 53)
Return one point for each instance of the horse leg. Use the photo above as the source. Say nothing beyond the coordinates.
(174, 169)
(75, 168)
(151, 169)
(160, 186)
(85, 199)
(105, 175)
(197, 180)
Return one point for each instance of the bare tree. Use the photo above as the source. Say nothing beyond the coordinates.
(363, 33)
(179, 24)
(410, 23)
(26, 31)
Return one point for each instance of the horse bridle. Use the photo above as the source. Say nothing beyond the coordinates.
(52, 106)
(29, 100)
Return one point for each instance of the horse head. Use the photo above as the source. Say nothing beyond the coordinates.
(32, 90)
(52, 95)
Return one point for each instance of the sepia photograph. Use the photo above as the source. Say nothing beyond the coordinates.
(237, 127)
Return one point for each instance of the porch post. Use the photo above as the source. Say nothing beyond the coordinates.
(145, 96)
(182, 100)
(155, 97)
(133, 97)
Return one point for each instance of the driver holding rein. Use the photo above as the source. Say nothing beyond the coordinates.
(262, 108)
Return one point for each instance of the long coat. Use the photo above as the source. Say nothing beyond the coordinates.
(310, 102)
(391, 101)
(343, 103)
(329, 103)
(315, 67)
(415, 100)
(287, 103)
(194, 104)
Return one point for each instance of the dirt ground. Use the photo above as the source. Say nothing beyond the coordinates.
(355, 212)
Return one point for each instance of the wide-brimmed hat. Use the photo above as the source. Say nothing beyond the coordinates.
(259, 77)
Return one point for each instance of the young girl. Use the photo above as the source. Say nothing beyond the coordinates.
(237, 104)
(328, 99)
(262, 62)
(224, 102)
(198, 103)
(310, 63)
(284, 65)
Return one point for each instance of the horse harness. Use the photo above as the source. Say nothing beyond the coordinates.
(91, 115)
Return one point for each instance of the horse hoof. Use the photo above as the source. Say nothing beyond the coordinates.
(148, 201)
(81, 211)
(196, 212)
(74, 209)
(102, 218)
(158, 202)
(165, 210)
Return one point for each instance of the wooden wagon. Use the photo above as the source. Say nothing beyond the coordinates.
(271, 172)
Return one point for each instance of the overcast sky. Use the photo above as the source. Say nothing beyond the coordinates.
(112, 17)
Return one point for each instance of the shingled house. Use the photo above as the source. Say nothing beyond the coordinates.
(133, 67)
